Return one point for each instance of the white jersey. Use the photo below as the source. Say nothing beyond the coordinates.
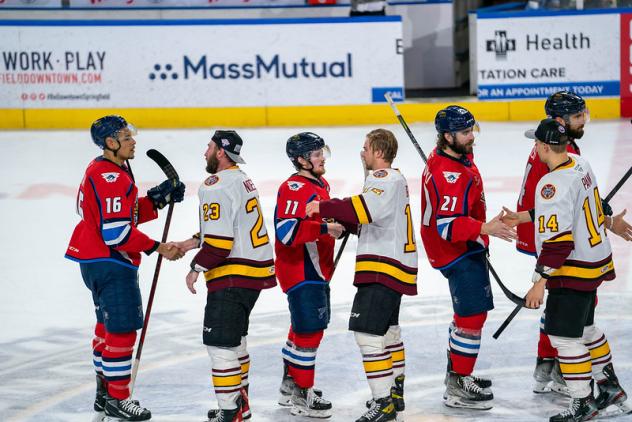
(236, 250)
(569, 217)
(387, 249)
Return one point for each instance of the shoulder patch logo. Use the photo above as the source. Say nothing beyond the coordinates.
(211, 180)
(294, 185)
(380, 174)
(110, 177)
(548, 191)
(451, 176)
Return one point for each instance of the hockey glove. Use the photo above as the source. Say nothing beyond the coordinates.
(167, 191)
(607, 209)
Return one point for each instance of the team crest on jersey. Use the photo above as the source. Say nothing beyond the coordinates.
(380, 174)
(294, 185)
(451, 176)
(211, 180)
(548, 191)
(110, 177)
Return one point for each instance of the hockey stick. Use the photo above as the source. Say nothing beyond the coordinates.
(510, 295)
(513, 313)
(171, 173)
(342, 248)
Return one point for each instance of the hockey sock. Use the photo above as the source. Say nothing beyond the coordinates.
(545, 350)
(244, 361)
(378, 365)
(465, 342)
(597, 344)
(575, 364)
(117, 362)
(226, 373)
(98, 344)
(395, 346)
(300, 357)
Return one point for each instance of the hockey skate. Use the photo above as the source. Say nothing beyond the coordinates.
(583, 409)
(397, 395)
(462, 392)
(245, 406)
(480, 381)
(99, 399)
(548, 377)
(557, 381)
(287, 387)
(226, 415)
(305, 402)
(611, 394)
(381, 410)
(124, 410)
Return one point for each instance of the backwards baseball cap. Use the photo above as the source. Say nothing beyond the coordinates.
(230, 142)
(549, 131)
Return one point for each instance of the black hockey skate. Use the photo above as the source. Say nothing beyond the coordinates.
(463, 392)
(481, 382)
(124, 410)
(245, 406)
(583, 409)
(381, 410)
(397, 395)
(226, 415)
(611, 393)
(287, 387)
(305, 402)
(102, 390)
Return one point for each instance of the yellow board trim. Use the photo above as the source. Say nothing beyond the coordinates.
(239, 269)
(576, 368)
(219, 243)
(360, 211)
(339, 115)
(587, 273)
(565, 238)
(378, 365)
(384, 268)
(230, 381)
(600, 351)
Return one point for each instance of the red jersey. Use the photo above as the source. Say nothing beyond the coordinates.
(304, 250)
(110, 210)
(533, 172)
(452, 209)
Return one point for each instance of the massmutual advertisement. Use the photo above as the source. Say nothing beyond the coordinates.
(534, 56)
(236, 63)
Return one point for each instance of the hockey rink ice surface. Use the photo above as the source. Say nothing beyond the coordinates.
(46, 315)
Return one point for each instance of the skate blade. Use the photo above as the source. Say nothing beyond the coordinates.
(559, 389)
(321, 414)
(461, 403)
(614, 411)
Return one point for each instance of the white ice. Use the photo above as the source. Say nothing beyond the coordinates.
(46, 315)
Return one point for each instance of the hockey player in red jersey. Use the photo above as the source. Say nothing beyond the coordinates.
(108, 246)
(304, 249)
(456, 236)
(569, 110)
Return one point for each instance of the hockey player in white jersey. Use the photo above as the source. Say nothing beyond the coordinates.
(386, 268)
(574, 258)
(236, 258)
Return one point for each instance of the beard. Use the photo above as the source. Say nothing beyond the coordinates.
(461, 149)
(212, 164)
(576, 133)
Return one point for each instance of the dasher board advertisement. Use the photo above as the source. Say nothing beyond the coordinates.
(535, 56)
(200, 63)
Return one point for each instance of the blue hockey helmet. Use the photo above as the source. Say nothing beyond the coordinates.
(563, 103)
(302, 145)
(108, 126)
(454, 118)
